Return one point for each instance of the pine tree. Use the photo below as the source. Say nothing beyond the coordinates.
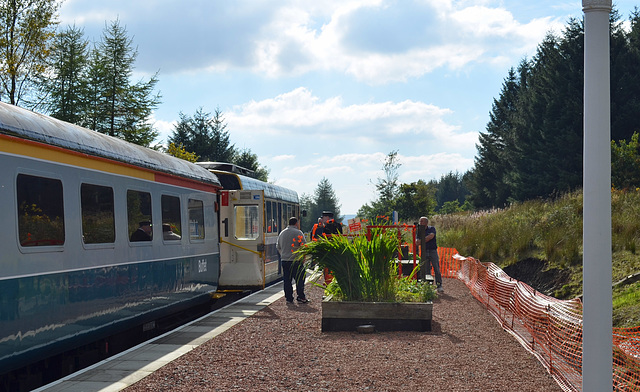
(204, 135)
(536, 150)
(324, 199)
(491, 177)
(221, 147)
(95, 114)
(548, 127)
(121, 109)
(451, 188)
(625, 77)
(249, 160)
(66, 88)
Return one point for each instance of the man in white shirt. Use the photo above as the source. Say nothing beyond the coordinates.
(290, 240)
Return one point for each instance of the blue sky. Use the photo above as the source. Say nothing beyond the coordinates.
(328, 88)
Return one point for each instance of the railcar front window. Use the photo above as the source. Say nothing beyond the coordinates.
(171, 227)
(139, 216)
(196, 220)
(98, 222)
(40, 211)
(246, 222)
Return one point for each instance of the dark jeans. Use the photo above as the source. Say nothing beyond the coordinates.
(293, 270)
(430, 259)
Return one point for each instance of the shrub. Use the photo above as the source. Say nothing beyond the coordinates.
(363, 269)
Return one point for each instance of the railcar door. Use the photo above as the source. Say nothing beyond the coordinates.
(242, 238)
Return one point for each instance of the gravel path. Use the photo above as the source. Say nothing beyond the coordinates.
(281, 348)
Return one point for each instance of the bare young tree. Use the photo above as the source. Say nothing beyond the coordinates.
(27, 29)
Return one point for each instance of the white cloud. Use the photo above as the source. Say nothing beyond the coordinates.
(283, 158)
(375, 42)
(455, 35)
(300, 111)
(164, 128)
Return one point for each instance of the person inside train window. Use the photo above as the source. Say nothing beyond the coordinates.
(168, 234)
(143, 233)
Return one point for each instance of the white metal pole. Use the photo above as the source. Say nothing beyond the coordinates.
(597, 341)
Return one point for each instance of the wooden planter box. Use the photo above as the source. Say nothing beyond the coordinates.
(384, 316)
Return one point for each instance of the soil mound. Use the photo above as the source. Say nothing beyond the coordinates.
(533, 272)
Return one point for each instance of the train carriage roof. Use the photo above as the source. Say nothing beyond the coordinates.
(25, 124)
(235, 177)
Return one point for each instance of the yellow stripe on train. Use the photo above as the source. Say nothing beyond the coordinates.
(13, 145)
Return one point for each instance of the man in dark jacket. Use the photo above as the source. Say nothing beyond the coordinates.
(143, 233)
(429, 251)
(330, 226)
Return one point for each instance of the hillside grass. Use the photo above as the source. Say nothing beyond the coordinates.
(551, 231)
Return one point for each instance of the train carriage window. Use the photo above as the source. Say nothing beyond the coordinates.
(171, 228)
(246, 222)
(40, 211)
(269, 217)
(98, 222)
(196, 219)
(274, 216)
(139, 216)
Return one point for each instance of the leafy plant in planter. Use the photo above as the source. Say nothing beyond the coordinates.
(365, 269)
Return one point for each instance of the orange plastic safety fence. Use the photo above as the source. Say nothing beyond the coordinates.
(449, 265)
(549, 328)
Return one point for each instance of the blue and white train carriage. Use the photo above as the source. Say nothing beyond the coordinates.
(252, 214)
(72, 271)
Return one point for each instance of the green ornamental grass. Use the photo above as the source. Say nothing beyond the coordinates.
(365, 269)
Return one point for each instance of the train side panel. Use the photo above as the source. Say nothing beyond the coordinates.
(63, 289)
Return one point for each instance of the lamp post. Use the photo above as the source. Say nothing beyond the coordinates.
(597, 341)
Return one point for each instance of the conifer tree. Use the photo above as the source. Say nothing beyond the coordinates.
(249, 160)
(625, 77)
(491, 176)
(121, 109)
(451, 188)
(66, 88)
(204, 135)
(324, 199)
(221, 147)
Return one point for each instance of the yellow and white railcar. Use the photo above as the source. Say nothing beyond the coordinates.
(252, 214)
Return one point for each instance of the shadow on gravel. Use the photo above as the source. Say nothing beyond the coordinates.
(444, 297)
(266, 313)
(436, 329)
(302, 308)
